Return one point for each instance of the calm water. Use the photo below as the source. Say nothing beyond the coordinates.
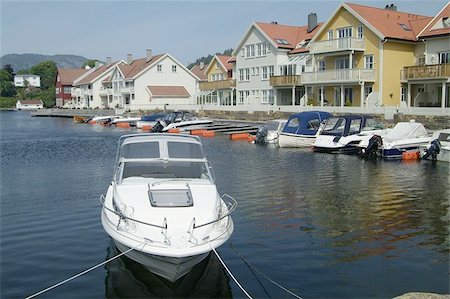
(324, 226)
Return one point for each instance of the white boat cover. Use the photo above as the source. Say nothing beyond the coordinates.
(405, 130)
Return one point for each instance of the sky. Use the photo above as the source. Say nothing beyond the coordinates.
(186, 29)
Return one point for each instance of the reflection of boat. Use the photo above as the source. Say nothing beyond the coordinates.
(342, 134)
(130, 120)
(149, 120)
(301, 129)
(439, 146)
(126, 278)
(80, 119)
(404, 137)
(163, 202)
(179, 119)
(269, 132)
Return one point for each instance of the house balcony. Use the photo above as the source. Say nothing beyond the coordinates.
(86, 92)
(337, 45)
(287, 80)
(105, 91)
(127, 90)
(221, 84)
(339, 76)
(433, 71)
(75, 92)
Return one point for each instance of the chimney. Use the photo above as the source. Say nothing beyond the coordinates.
(274, 22)
(312, 22)
(391, 7)
(202, 65)
(97, 64)
(129, 58)
(149, 55)
(108, 61)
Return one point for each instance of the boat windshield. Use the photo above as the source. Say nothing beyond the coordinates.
(272, 125)
(372, 124)
(163, 169)
(334, 126)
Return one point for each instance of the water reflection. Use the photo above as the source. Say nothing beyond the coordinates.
(127, 279)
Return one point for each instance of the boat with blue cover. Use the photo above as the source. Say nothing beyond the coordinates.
(302, 128)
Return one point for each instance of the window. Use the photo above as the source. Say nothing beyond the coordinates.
(355, 126)
(264, 75)
(247, 74)
(403, 92)
(345, 32)
(259, 49)
(404, 27)
(367, 90)
(330, 34)
(368, 62)
(444, 57)
(267, 96)
(271, 70)
(247, 51)
(342, 63)
(421, 60)
(265, 49)
(241, 75)
(281, 41)
(132, 96)
(159, 68)
(67, 89)
(321, 65)
(217, 65)
(174, 68)
(360, 31)
(252, 50)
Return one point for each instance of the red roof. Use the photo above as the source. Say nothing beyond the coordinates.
(232, 59)
(293, 35)
(67, 76)
(168, 91)
(137, 65)
(30, 102)
(225, 60)
(436, 26)
(98, 72)
(196, 70)
(390, 23)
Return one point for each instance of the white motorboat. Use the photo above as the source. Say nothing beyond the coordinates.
(439, 147)
(150, 120)
(125, 120)
(302, 129)
(269, 132)
(163, 204)
(104, 119)
(179, 119)
(403, 137)
(342, 134)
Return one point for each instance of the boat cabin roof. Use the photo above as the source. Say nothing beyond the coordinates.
(305, 123)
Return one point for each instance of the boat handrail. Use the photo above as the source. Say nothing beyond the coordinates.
(122, 216)
(231, 205)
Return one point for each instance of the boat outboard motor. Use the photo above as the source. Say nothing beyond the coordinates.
(160, 125)
(261, 135)
(375, 143)
(432, 150)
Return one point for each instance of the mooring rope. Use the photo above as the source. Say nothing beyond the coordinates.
(262, 274)
(84, 272)
(229, 272)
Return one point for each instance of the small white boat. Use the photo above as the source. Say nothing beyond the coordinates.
(180, 120)
(403, 137)
(104, 118)
(125, 120)
(439, 147)
(269, 132)
(342, 134)
(163, 203)
(302, 129)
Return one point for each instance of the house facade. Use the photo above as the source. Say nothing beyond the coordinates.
(27, 80)
(64, 84)
(219, 88)
(426, 83)
(357, 55)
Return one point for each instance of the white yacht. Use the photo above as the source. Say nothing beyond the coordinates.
(163, 203)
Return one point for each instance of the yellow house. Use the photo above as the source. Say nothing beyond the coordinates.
(220, 86)
(357, 56)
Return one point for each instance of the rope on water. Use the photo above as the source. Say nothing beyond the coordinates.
(229, 272)
(262, 274)
(84, 272)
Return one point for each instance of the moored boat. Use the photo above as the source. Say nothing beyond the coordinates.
(269, 132)
(163, 203)
(181, 120)
(302, 129)
(439, 147)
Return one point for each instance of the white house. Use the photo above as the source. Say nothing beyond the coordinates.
(261, 54)
(155, 81)
(32, 80)
(29, 104)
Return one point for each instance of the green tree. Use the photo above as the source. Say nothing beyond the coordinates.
(8, 68)
(47, 71)
(90, 63)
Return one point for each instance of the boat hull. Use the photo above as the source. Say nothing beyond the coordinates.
(349, 150)
(170, 268)
(292, 140)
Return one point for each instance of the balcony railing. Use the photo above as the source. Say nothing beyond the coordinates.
(425, 71)
(127, 89)
(75, 92)
(338, 76)
(288, 80)
(338, 44)
(221, 84)
(105, 91)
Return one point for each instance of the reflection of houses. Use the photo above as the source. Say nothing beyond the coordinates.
(358, 53)
(154, 81)
(29, 104)
(263, 53)
(427, 82)
(219, 88)
(27, 80)
(64, 84)
(87, 90)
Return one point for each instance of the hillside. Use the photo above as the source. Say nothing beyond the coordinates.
(207, 59)
(26, 61)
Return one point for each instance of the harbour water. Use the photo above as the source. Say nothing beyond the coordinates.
(324, 226)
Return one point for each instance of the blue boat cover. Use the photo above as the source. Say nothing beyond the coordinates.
(305, 123)
(153, 117)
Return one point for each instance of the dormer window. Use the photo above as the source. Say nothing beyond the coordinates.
(404, 27)
(281, 41)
